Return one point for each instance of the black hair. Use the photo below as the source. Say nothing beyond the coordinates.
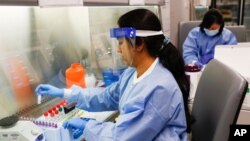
(169, 56)
(211, 17)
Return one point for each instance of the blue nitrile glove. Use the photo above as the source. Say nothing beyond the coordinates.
(49, 90)
(77, 133)
(198, 64)
(77, 126)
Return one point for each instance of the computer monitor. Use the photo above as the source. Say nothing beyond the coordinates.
(235, 56)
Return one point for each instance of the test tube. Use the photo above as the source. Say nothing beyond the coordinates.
(61, 112)
(56, 113)
(46, 114)
(39, 99)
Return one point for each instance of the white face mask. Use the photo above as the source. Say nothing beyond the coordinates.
(211, 32)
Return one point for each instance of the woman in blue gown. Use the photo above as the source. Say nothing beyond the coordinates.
(198, 48)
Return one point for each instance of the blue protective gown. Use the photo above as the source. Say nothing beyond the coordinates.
(150, 108)
(199, 47)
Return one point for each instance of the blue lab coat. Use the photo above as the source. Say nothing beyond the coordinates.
(151, 107)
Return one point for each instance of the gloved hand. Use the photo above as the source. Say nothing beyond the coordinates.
(77, 126)
(198, 64)
(49, 90)
(77, 133)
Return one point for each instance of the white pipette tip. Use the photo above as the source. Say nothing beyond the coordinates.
(39, 99)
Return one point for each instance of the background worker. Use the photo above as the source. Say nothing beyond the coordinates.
(198, 48)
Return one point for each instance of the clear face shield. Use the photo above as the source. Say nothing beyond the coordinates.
(121, 37)
(126, 36)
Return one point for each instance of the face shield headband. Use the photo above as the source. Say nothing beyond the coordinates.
(129, 32)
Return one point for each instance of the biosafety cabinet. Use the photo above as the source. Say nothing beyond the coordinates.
(39, 42)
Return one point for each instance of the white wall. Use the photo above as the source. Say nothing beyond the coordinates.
(179, 11)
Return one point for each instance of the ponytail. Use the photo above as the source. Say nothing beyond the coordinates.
(171, 59)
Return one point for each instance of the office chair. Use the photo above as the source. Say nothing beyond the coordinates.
(217, 103)
(186, 26)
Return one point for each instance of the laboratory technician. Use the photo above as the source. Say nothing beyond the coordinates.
(151, 95)
(198, 48)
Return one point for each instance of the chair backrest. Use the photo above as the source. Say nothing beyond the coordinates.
(239, 31)
(217, 103)
(186, 26)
